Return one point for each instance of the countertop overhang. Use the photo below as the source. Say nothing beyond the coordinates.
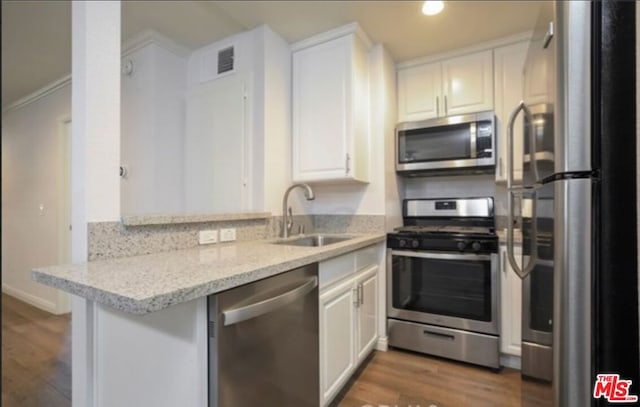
(148, 283)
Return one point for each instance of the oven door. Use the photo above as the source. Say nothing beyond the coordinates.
(456, 290)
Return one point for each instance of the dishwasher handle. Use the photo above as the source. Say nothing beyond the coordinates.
(235, 315)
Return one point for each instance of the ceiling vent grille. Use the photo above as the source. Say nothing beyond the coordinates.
(225, 60)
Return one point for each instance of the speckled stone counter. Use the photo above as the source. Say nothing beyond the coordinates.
(143, 284)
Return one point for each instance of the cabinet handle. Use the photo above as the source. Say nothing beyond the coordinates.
(445, 106)
(361, 293)
(500, 166)
(504, 262)
(356, 294)
(347, 162)
(437, 106)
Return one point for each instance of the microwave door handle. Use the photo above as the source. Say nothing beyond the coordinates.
(473, 137)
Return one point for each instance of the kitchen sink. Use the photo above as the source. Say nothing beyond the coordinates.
(314, 240)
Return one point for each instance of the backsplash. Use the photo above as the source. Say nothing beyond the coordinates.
(107, 240)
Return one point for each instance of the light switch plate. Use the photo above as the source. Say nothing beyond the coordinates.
(208, 236)
(227, 235)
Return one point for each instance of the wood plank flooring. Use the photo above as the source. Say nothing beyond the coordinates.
(405, 379)
(36, 356)
(36, 372)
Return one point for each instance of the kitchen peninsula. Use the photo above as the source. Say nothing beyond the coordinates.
(148, 329)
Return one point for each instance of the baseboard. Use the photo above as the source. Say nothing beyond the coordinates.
(383, 343)
(511, 361)
(31, 299)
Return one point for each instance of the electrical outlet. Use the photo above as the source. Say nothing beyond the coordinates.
(227, 235)
(208, 236)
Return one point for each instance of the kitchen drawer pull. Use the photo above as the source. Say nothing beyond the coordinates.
(439, 335)
(263, 306)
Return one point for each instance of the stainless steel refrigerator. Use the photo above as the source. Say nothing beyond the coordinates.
(579, 158)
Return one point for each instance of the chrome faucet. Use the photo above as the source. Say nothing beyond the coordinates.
(287, 221)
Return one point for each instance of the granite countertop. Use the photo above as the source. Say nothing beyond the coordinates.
(148, 283)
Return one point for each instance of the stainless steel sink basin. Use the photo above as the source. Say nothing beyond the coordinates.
(314, 240)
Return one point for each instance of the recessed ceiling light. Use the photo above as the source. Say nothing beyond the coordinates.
(432, 7)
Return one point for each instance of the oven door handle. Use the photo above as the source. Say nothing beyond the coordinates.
(441, 256)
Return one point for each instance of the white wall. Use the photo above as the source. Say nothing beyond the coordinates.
(31, 166)
(272, 122)
(263, 65)
(152, 114)
(218, 152)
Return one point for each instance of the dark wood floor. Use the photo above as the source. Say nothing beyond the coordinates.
(36, 372)
(36, 356)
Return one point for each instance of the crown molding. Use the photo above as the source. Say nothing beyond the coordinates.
(500, 42)
(38, 94)
(148, 37)
(351, 28)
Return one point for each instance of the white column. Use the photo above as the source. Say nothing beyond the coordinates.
(95, 158)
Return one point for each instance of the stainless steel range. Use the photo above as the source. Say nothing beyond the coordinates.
(442, 275)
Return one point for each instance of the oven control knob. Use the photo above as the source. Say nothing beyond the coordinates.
(476, 246)
(402, 243)
(415, 243)
(462, 246)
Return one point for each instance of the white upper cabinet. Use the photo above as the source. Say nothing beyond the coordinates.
(468, 83)
(419, 92)
(509, 63)
(449, 87)
(331, 107)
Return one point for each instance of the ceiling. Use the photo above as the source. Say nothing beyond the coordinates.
(36, 35)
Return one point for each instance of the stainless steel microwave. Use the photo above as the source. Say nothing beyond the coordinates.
(449, 145)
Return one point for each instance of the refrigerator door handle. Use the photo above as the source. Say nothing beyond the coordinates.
(533, 256)
(521, 272)
(512, 120)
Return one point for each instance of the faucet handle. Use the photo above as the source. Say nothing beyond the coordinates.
(301, 229)
(289, 224)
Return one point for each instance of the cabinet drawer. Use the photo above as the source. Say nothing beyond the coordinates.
(335, 269)
(366, 257)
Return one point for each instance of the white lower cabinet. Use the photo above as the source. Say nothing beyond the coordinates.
(366, 312)
(511, 304)
(348, 325)
(337, 338)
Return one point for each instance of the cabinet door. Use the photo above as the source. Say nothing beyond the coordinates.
(510, 305)
(508, 80)
(367, 320)
(321, 111)
(468, 83)
(337, 338)
(419, 92)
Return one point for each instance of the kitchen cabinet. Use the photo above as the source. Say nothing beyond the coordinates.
(508, 79)
(366, 312)
(348, 307)
(330, 107)
(449, 87)
(510, 304)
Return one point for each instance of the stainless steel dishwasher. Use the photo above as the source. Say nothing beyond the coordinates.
(263, 342)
